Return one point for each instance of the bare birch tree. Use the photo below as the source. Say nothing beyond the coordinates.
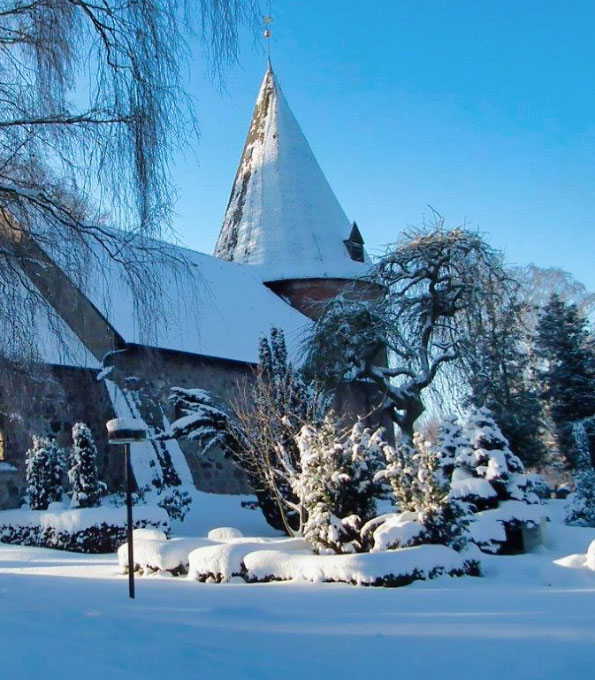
(92, 106)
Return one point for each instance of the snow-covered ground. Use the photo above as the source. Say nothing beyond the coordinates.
(68, 616)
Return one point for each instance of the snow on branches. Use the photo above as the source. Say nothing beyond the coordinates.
(43, 473)
(428, 514)
(428, 289)
(335, 486)
(82, 471)
(581, 507)
(485, 470)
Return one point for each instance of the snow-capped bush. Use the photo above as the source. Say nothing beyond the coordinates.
(225, 561)
(224, 534)
(153, 556)
(423, 497)
(541, 488)
(580, 510)
(390, 569)
(82, 470)
(400, 530)
(484, 473)
(87, 530)
(483, 454)
(43, 473)
(336, 485)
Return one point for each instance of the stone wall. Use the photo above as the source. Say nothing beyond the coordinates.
(50, 403)
(158, 371)
(62, 396)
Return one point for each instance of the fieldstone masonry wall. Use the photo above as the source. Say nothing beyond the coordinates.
(160, 370)
(69, 395)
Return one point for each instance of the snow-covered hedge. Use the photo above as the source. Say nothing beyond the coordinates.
(389, 569)
(88, 530)
(174, 556)
(153, 556)
(219, 563)
(291, 559)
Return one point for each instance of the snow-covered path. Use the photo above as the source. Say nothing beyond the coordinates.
(68, 616)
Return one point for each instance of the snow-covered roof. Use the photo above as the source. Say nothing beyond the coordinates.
(282, 215)
(204, 306)
(54, 341)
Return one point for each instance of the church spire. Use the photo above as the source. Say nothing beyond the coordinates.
(282, 213)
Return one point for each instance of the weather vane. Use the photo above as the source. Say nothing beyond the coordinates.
(267, 21)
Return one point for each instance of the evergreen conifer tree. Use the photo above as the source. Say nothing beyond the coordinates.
(566, 352)
(336, 485)
(498, 370)
(581, 508)
(486, 471)
(420, 489)
(82, 472)
(43, 473)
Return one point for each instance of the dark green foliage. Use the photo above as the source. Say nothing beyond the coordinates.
(43, 473)
(566, 353)
(498, 370)
(82, 472)
(175, 502)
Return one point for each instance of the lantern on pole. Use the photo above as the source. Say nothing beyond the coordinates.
(127, 431)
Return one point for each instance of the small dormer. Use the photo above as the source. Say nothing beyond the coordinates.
(355, 244)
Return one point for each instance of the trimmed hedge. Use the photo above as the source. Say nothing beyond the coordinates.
(89, 530)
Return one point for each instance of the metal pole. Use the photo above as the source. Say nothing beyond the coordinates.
(128, 469)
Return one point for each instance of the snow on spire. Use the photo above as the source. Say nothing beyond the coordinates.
(282, 213)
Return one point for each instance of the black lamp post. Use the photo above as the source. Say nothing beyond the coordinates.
(127, 431)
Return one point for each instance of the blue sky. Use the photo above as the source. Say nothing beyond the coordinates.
(483, 110)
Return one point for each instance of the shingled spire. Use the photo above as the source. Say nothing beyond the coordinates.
(282, 214)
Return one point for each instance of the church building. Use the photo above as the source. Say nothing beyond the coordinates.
(285, 247)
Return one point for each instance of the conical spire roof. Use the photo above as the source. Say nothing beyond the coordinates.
(282, 214)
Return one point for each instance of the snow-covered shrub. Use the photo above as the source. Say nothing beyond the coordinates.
(485, 456)
(541, 488)
(224, 534)
(87, 530)
(450, 439)
(363, 458)
(43, 473)
(428, 513)
(154, 556)
(486, 474)
(520, 527)
(389, 569)
(580, 510)
(336, 485)
(223, 562)
(82, 470)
